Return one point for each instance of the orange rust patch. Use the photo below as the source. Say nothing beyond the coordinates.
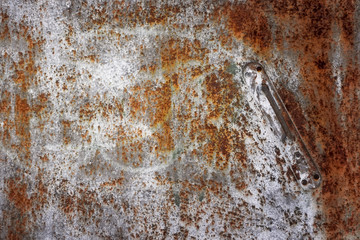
(161, 98)
(196, 72)
(222, 140)
(22, 120)
(43, 97)
(113, 183)
(25, 69)
(249, 23)
(92, 58)
(26, 208)
(67, 131)
(86, 112)
(177, 53)
(149, 98)
(154, 102)
(67, 203)
(295, 108)
(18, 196)
(42, 101)
(151, 15)
(174, 80)
(5, 103)
(44, 158)
(4, 32)
(164, 138)
(17, 229)
(84, 205)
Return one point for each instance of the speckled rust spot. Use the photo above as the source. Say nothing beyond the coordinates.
(178, 52)
(4, 33)
(25, 69)
(248, 22)
(80, 201)
(18, 196)
(153, 100)
(5, 103)
(155, 103)
(25, 206)
(5, 111)
(221, 92)
(22, 124)
(151, 15)
(67, 131)
(113, 183)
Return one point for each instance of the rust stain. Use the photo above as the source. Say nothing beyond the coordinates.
(297, 113)
(5, 32)
(39, 106)
(25, 70)
(17, 194)
(178, 52)
(248, 22)
(113, 183)
(22, 124)
(67, 130)
(92, 58)
(139, 15)
(44, 158)
(19, 227)
(87, 111)
(5, 103)
(221, 92)
(156, 103)
(305, 27)
(81, 202)
(27, 205)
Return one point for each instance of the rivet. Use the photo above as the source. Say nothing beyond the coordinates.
(316, 176)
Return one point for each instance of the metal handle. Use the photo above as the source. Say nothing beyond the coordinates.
(301, 163)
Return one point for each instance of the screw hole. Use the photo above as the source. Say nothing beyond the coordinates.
(304, 182)
(259, 69)
(297, 155)
(316, 176)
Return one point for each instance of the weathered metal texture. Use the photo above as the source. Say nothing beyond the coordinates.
(127, 119)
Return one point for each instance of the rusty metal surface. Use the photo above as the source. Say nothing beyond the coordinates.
(132, 119)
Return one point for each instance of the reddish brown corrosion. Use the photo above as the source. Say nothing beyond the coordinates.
(310, 35)
(22, 119)
(26, 205)
(25, 71)
(249, 22)
(17, 194)
(23, 208)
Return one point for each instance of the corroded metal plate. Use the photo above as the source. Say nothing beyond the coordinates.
(132, 119)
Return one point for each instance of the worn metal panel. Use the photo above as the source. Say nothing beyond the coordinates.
(132, 119)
